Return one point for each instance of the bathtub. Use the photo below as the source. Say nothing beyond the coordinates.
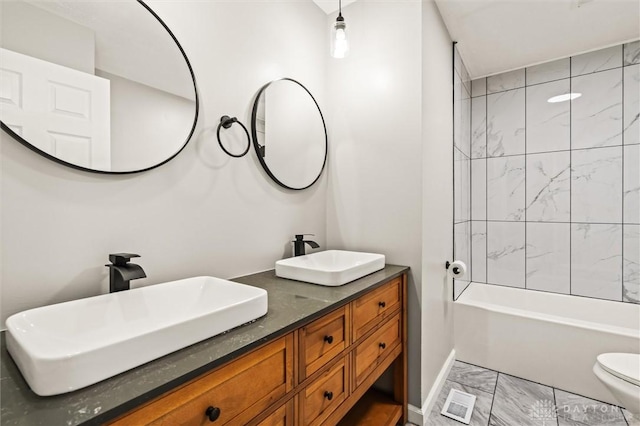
(548, 338)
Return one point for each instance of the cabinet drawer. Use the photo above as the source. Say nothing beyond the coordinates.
(283, 416)
(325, 394)
(239, 391)
(322, 340)
(375, 348)
(374, 307)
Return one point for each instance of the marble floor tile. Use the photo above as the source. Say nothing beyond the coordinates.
(480, 416)
(473, 376)
(631, 420)
(521, 402)
(575, 410)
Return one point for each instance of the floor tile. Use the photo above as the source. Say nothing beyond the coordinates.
(576, 410)
(521, 402)
(480, 416)
(631, 420)
(473, 376)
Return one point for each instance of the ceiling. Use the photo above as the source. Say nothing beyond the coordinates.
(330, 6)
(500, 35)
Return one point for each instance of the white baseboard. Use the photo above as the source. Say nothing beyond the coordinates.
(419, 416)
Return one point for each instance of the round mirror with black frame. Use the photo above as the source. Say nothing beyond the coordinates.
(98, 86)
(289, 134)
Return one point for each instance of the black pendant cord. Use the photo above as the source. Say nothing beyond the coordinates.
(227, 122)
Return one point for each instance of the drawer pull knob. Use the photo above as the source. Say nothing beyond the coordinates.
(382, 304)
(328, 395)
(328, 339)
(212, 413)
(383, 345)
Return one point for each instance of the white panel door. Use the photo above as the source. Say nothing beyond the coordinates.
(62, 111)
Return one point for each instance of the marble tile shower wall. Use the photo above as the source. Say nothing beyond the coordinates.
(555, 186)
(462, 168)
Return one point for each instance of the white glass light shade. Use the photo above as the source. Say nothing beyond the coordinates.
(339, 41)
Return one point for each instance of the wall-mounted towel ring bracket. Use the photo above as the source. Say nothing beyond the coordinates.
(227, 122)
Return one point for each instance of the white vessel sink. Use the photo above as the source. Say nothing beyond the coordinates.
(67, 346)
(330, 267)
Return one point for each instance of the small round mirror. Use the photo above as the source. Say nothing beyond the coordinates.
(289, 134)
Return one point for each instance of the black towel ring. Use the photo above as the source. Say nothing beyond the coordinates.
(226, 122)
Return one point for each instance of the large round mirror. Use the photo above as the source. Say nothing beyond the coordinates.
(94, 84)
(289, 134)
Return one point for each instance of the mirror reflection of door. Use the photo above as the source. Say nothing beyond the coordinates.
(289, 126)
(97, 84)
(62, 111)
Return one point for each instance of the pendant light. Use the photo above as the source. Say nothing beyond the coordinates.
(339, 42)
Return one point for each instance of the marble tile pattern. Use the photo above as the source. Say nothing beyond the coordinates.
(631, 105)
(479, 251)
(506, 253)
(481, 411)
(465, 125)
(518, 402)
(479, 87)
(462, 187)
(506, 81)
(462, 251)
(457, 111)
(599, 60)
(548, 187)
(596, 116)
(479, 189)
(549, 71)
(631, 264)
(631, 184)
(548, 257)
(630, 418)
(577, 410)
(596, 185)
(479, 127)
(548, 124)
(596, 261)
(521, 402)
(473, 376)
(506, 188)
(506, 123)
(631, 52)
(555, 187)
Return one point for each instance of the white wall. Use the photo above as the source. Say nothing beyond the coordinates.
(375, 158)
(63, 42)
(391, 164)
(437, 194)
(203, 212)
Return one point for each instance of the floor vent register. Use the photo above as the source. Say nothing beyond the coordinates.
(459, 406)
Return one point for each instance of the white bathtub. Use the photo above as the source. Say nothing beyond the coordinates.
(548, 338)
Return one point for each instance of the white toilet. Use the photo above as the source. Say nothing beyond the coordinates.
(620, 372)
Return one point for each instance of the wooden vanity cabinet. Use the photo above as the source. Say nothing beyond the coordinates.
(320, 374)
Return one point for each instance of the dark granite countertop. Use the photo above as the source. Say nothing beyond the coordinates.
(291, 304)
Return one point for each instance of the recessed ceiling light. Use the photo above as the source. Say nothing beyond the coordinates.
(564, 98)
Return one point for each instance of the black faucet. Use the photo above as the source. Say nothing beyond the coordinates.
(298, 244)
(121, 271)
